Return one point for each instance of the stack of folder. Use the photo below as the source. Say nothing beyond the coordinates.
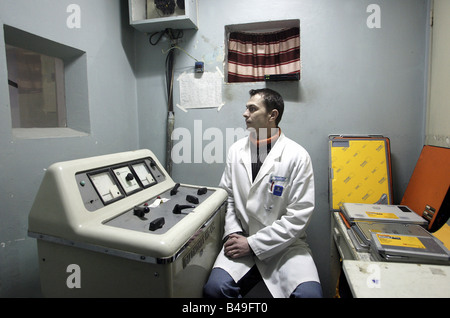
(360, 185)
(393, 233)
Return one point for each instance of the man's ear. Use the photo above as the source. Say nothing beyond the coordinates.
(274, 115)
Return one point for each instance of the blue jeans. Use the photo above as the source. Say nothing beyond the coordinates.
(221, 285)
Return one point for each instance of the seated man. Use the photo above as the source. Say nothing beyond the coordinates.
(270, 183)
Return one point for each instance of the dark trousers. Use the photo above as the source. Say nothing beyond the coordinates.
(221, 285)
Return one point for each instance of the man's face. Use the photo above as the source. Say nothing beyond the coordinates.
(256, 115)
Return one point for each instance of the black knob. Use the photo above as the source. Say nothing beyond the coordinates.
(177, 208)
(157, 224)
(140, 211)
(192, 199)
(129, 177)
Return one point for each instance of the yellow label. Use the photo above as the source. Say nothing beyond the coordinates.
(381, 215)
(400, 240)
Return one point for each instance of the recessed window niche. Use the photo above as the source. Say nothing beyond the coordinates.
(47, 86)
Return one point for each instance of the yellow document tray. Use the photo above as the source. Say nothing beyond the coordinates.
(359, 170)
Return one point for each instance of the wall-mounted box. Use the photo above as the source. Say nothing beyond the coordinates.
(146, 17)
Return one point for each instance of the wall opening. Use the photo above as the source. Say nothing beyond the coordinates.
(47, 86)
(36, 89)
(263, 51)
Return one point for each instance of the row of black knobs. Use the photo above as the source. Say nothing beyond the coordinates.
(158, 223)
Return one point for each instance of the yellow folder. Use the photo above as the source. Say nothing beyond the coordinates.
(360, 170)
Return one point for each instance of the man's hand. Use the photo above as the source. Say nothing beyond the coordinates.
(237, 246)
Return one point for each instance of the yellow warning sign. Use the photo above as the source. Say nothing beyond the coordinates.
(381, 215)
(400, 240)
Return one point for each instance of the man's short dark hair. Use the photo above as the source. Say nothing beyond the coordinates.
(272, 100)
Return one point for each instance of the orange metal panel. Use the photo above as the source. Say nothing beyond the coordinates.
(429, 184)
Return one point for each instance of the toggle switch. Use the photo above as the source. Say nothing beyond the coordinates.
(174, 189)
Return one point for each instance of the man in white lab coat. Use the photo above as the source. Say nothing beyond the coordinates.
(270, 183)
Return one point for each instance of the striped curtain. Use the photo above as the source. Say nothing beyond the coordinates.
(253, 55)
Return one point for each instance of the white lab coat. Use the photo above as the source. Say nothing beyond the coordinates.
(273, 211)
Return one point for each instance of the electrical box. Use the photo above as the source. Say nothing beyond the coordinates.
(156, 15)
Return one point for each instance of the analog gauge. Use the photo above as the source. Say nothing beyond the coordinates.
(144, 174)
(127, 179)
(105, 186)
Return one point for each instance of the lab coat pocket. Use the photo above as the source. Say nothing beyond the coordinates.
(268, 200)
(274, 193)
